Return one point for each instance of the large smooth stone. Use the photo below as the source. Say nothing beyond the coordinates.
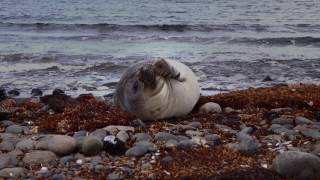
(62, 145)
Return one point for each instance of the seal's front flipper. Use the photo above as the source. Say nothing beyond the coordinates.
(164, 69)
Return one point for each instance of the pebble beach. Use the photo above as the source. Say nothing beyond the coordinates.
(263, 133)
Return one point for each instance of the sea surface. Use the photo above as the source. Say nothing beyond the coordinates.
(84, 46)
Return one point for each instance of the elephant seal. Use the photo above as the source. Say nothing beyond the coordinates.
(157, 90)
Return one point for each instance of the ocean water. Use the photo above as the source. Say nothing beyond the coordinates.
(84, 46)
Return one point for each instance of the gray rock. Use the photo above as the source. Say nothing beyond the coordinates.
(164, 136)
(195, 124)
(114, 176)
(312, 133)
(16, 172)
(282, 121)
(142, 137)
(66, 159)
(297, 164)
(7, 123)
(181, 138)
(26, 145)
(182, 128)
(40, 158)
(13, 138)
(302, 120)
(273, 139)
(185, 144)
(14, 129)
(138, 123)
(316, 149)
(150, 146)
(6, 146)
(96, 160)
(225, 129)
(192, 133)
(100, 133)
(91, 145)
(278, 129)
(58, 177)
(115, 129)
(248, 145)
(212, 139)
(210, 107)
(280, 110)
(62, 145)
(137, 151)
(80, 133)
(172, 143)
(123, 136)
(7, 160)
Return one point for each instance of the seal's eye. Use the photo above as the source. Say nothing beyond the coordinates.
(135, 86)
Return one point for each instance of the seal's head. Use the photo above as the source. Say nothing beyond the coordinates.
(130, 90)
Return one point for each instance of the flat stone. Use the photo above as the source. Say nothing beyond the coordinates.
(62, 144)
(164, 136)
(39, 158)
(7, 123)
(14, 129)
(142, 137)
(192, 133)
(150, 146)
(91, 145)
(302, 120)
(137, 151)
(115, 129)
(15, 172)
(282, 121)
(297, 164)
(26, 145)
(210, 107)
(7, 160)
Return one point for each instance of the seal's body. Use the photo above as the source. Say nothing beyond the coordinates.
(158, 90)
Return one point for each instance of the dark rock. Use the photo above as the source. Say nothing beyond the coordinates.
(114, 176)
(312, 133)
(138, 123)
(13, 93)
(57, 92)
(57, 101)
(36, 92)
(58, 177)
(113, 145)
(212, 139)
(164, 136)
(297, 164)
(7, 123)
(66, 159)
(185, 144)
(3, 94)
(267, 79)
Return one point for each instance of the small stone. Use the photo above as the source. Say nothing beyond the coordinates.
(302, 120)
(213, 139)
(122, 136)
(228, 110)
(297, 164)
(40, 158)
(164, 136)
(181, 138)
(171, 143)
(61, 144)
(195, 124)
(185, 144)
(248, 145)
(114, 176)
(6, 146)
(282, 121)
(225, 129)
(15, 172)
(150, 146)
(80, 133)
(66, 159)
(115, 129)
(58, 177)
(138, 123)
(267, 79)
(192, 133)
(137, 151)
(210, 107)
(280, 110)
(142, 137)
(167, 160)
(14, 129)
(36, 92)
(91, 145)
(26, 145)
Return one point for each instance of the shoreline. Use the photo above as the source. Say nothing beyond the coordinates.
(240, 140)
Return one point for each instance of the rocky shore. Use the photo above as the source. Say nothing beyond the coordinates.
(264, 133)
